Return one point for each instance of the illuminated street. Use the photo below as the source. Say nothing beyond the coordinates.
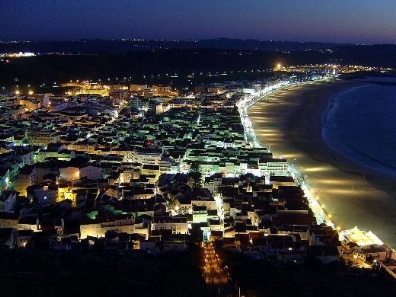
(247, 101)
(215, 276)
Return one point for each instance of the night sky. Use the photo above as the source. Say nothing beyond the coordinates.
(351, 21)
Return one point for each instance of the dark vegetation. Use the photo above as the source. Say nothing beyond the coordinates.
(60, 273)
(31, 273)
(260, 278)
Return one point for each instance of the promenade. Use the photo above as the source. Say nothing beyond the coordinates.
(262, 97)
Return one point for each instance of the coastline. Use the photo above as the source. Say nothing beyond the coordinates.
(290, 123)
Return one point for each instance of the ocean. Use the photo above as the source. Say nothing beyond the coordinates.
(360, 124)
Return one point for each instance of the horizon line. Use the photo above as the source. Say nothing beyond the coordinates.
(137, 39)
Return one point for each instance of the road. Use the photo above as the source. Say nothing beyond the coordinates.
(216, 277)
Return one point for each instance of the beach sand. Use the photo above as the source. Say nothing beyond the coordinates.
(289, 122)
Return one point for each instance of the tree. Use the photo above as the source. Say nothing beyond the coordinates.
(111, 234)
(195, 175)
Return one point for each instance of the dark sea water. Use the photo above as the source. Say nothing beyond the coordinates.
(360, 123)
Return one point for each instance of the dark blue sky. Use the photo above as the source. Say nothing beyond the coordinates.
(352, 21)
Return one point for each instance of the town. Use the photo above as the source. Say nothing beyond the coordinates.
(126, 167)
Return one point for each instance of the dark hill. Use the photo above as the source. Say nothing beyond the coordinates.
(151, 63)
(98, 46)
(50, 68)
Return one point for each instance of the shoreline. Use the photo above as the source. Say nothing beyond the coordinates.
(290, 123)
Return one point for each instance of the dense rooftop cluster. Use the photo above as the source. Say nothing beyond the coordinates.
(144, 168)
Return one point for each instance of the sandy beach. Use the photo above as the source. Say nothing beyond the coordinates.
(289, 121)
